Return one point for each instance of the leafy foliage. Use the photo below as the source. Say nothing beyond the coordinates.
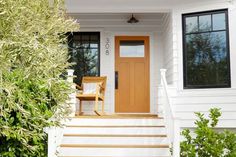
(207, 142)
(32, 60)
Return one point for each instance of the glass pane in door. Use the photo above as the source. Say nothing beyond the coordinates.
(132, 48)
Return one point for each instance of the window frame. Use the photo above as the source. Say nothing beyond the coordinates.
(71, 39)
(197, 14)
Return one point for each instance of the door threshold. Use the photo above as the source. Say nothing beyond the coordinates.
(122, 113)
(122, 116)
(135, 114)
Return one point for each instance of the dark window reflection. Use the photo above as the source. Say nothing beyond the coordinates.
(84, 54)
(206, 52)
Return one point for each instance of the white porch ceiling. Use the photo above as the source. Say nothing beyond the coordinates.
(118, 21)
(128, 6)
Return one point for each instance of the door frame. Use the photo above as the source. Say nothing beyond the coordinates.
(146, 38)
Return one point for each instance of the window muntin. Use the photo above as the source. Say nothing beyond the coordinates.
(84, 51)
(206, 50)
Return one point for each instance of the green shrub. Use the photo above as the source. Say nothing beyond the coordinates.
(32, 61)
(206, 141)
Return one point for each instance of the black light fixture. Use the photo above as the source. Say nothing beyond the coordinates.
(133, 20)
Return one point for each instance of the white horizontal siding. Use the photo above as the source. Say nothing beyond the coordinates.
(168, 58)
(188, 101)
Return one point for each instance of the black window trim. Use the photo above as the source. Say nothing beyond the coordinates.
(70, 38)
(193, 14)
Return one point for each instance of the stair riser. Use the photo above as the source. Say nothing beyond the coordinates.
(115, 140)
(117, 122)
(115, 152)
(112, 131)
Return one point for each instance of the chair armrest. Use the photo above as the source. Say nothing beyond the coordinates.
(79, 87)
(101, 87)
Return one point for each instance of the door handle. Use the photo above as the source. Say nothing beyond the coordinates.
(116, 79)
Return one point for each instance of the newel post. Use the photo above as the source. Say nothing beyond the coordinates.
(72, 96)
(176, 144)
(163, 75)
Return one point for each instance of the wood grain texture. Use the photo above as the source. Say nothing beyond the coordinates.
(98, 96)
(133, 93)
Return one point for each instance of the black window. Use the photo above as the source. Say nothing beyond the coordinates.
(84, 51)
(206, 49)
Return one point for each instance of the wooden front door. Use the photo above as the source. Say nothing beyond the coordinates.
(132, 94)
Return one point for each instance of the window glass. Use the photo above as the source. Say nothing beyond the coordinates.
(93, 44)
(218, 21)
(85, 44)
(132, 48)
(85, 37)
(94, 38)
(206, 54)
(84, 54)
(207, 59)
(191, 24)
(205, 23)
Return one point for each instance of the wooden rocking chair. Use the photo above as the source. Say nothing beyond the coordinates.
(97, 95)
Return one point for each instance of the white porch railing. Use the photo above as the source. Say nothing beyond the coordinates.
(171, 121)
(55, 134)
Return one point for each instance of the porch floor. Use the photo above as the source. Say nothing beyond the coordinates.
(121, 116)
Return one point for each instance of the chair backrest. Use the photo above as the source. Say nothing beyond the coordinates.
(95, 79)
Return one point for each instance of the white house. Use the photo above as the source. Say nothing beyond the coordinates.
(194, 41)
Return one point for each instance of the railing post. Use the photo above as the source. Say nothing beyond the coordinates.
(72, 96)
(163, 75)
(172, 122)
(51, 141)
(176, 144)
